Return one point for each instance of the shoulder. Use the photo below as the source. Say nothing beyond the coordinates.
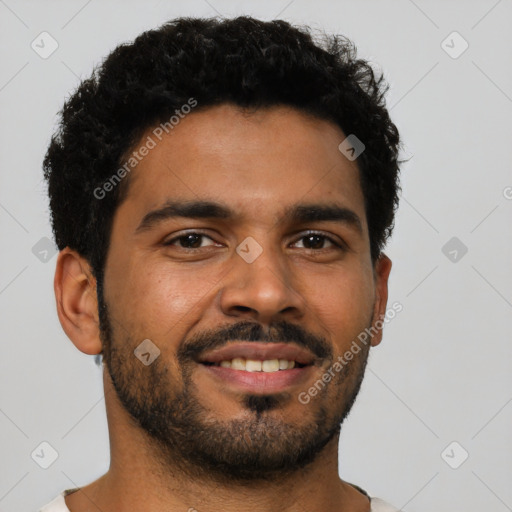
(56, 505)
(379, 505)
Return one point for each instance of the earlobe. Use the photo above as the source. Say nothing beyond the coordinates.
(77, 305)
(381, 271)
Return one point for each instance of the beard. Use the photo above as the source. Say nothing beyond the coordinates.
(184, 435)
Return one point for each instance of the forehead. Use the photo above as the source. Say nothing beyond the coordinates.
(260, 163)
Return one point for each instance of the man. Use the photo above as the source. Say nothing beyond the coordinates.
(221, 192)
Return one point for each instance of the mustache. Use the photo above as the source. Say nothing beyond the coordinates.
(280, 332)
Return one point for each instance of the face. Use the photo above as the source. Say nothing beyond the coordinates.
(217, 243)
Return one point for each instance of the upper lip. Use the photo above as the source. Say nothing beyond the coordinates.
(259, 352)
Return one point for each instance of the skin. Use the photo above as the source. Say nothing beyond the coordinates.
(256, 164)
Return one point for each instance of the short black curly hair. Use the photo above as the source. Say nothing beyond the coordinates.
(243, 61)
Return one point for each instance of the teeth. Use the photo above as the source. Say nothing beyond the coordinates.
(252, 365)
(283, 364)
(271, 365)
(237, 363)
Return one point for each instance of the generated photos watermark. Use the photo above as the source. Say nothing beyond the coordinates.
(137, 156)
(363, 338)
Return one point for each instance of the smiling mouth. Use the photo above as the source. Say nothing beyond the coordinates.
(258, 357)
(254, 365)
(259, 376)
(259, 367)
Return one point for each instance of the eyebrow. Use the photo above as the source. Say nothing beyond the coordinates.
(299, 214)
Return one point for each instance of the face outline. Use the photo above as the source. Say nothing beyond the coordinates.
(173, 295)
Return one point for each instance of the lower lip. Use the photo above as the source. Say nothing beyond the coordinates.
(262, 382)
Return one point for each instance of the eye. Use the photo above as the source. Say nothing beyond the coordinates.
(315, 241)
(190, 240)
(193, 240)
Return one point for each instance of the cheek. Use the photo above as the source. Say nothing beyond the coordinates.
(155, 297)
(343, 307)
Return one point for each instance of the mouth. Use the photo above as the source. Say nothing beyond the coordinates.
(254, 365)
(259, 367)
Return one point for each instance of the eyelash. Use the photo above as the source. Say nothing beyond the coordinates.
(309, 233)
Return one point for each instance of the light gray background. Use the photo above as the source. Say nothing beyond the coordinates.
(443, 371)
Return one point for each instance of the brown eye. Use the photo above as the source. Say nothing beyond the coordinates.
(188, 241)
(316, 241)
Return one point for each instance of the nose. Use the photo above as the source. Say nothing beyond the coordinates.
(263, 290)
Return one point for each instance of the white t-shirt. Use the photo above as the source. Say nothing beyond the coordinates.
(59, 505)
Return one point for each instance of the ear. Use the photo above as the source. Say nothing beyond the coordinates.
(381, 272)
(77, 304)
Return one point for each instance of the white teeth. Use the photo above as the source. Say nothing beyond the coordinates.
(253, 365)
(272, 365)
(238, 363)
